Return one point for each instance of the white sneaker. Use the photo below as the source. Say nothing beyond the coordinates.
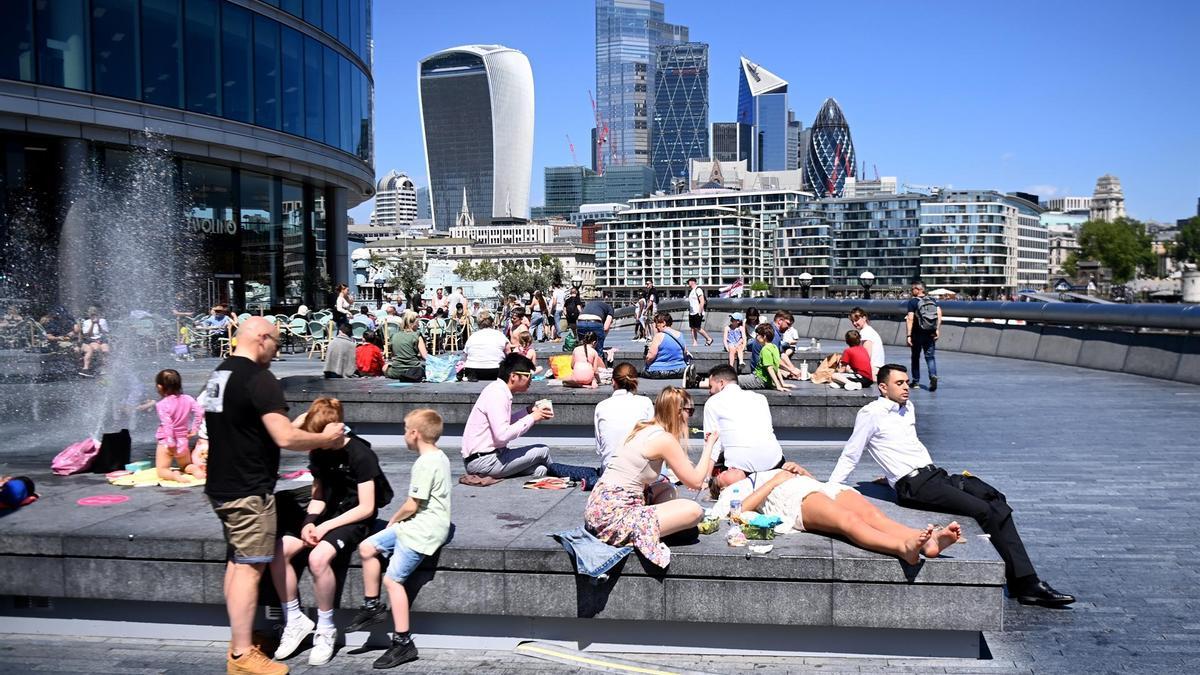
(853, 386)
(293, 634)
(322, 649)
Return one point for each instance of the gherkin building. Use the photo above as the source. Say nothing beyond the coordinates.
(830, 156)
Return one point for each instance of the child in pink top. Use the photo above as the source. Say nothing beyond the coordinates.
(174, 410)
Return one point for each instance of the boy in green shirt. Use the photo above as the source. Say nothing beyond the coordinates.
(766, 373)
(417, 530)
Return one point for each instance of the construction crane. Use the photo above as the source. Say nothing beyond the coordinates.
(601, 135)
(572, 146)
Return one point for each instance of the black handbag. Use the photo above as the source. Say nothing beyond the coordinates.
(114, 452)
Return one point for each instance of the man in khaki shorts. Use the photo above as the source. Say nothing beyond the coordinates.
(245, 413)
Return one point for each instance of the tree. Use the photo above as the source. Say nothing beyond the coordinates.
(1187, 242)
(760, 286)
(409, 276)
(1121, 245)
(515, 277)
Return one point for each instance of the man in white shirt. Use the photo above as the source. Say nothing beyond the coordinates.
(457, 298)
(870, 338)
(696, 304)
(886, 429)
(742, 419)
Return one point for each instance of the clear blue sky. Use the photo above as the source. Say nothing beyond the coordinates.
(1042, 96)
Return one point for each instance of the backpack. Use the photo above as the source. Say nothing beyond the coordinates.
(927, 314)
(570, 341)
(75, 458)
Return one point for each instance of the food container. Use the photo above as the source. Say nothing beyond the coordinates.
(758, 533)
(710, 525)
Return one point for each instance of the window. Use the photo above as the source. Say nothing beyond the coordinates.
(16, 41)
(202, 30)
(345, 107)
(236, 73)
(332, 105)
(314, 93)
(114, 47)
(312, 12)
(162, 61)
(266, 72)
(292, 81)
(343, 29)
(329, 17)
(261, 246)
(62, 43)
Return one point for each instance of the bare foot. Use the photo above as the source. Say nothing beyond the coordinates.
(943, 539)
(911, 551)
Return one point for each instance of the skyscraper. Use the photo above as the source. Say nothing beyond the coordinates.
(477, 119)
(731, 141)
(830, 152)
(395, 201)
(627, 34)
(680, 126)
(763, 104)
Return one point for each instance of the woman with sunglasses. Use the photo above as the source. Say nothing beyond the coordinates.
(618, 511)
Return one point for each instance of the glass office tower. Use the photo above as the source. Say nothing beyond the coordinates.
(731, 141)
(830, 152)
(627, 35)
(263, 110)
(763, 105)
(477, 119)
(680, 129)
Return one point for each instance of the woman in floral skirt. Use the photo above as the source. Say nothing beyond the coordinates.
(618, 511)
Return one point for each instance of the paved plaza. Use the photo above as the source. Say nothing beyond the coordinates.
(1098, 468)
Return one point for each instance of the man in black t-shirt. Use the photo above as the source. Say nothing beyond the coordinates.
(924, 323)
(573, 305)
(247, 425)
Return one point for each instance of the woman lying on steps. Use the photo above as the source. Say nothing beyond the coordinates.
(795, 496)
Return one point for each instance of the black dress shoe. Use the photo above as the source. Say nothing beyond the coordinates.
(1042, 594)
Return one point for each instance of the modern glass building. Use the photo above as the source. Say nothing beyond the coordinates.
(263, 107)
(569, 187)
(763, 105)
(477, 120)
(830, 157)
(680, 128)
(627, 34)
(564, 189)
(731, 141)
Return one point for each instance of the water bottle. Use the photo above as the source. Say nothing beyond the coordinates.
(812, 343)
(735, 503)
(804, 376)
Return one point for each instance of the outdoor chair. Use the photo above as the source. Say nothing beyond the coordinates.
(318, 338)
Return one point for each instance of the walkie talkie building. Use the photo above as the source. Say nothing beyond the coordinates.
(830, 152)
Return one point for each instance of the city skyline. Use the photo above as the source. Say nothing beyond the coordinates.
(1048, 120)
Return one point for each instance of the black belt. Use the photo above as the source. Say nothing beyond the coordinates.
(471, 458)
(915, 472)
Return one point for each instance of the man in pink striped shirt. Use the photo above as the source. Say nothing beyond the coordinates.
(492, 426)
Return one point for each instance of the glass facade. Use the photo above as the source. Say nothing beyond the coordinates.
(731, 141)
(564, 189)
(830, 155)
(627, 34)
(456, 109)
(214, 57)
(680, 111)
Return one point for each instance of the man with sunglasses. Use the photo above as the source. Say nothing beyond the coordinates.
(492, 426)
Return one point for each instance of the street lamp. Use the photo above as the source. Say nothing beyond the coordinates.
(805, 284)
(866, 280)
(577, 282)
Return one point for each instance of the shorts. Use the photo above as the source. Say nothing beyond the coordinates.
(402, 560)
(695, 321)
(290, 515)
(249, 527)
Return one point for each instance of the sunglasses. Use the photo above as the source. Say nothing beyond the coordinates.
(689, 410)
(526, 373)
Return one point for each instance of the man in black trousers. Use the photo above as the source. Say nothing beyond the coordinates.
(886, 429)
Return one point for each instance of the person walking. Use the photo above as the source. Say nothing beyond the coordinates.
(245, 414)
(924, 323)
(886, 429)
(696, 305)
(343, 305)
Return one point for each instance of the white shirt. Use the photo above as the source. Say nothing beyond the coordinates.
(888, 431)
(456, 299)
(560, 296)
(695, 300)
(485, 348)
(791, 336)
(615, 417)
(94, 330)
(877, 357)
(747, 436)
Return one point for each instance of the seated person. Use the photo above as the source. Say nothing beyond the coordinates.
(614, 418)
(586, 363)
(59, 329)
(767, 374)
(854, 368)
(525, 348)
(518, 323)
(666, 357)
(492, 425)
(735, 340)
(484, 351)
(408, 351)
(742, 420)
(805, 503)
(364, 316)
(347, 489)
(368, 357)
(617, 511)
(339, 357)
(94, 330)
